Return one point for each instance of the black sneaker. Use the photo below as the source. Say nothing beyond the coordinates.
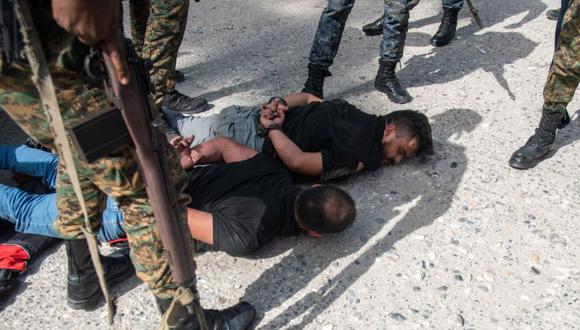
(178, 102)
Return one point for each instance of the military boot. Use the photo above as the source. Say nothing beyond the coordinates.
(83, 290)
(315, 82)
(237, 317)
(176, 101)
(446, 30)
(387, 82)
(539, 145)
(374, 28)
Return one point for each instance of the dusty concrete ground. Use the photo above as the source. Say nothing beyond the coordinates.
(462, 241)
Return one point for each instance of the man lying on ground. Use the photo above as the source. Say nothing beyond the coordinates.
(236, 207)
(318, 139)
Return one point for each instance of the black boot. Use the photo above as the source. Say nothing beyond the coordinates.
(315, 82)
(446, 30)
(387, 82)
(176, 101)
(540, 144)
(237, 317)
(83, 290)
(374, 28)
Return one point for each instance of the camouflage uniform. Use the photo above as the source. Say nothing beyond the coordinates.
(565, 69)
(157, 27)
(333, 20)
(117, 175)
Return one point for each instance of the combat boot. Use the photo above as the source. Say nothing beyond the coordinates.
(374, 28)
(446, 30)
(539, 145)
(387, 82)
(176, 101)
(237, 317)
(83, 290)
(315, 82)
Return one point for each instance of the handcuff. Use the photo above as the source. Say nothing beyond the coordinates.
(263, 131)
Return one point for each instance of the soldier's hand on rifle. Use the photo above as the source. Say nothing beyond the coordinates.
(94, 21)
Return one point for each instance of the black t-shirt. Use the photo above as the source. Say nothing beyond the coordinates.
(342, 133)
(251, 201)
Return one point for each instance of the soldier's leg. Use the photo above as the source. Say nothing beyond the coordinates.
(396, 24)
(139, 11)
(559, 90)
(446, 30)
(165, 30)
(565, 69)
(325, 45)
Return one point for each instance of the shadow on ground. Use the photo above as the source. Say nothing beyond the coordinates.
(423, 183)
(489, 51)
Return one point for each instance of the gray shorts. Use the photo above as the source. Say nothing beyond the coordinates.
(238, 123)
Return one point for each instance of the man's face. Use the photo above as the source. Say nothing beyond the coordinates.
(396, 148)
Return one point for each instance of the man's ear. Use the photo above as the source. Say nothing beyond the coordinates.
(390, 132)
(413, 143)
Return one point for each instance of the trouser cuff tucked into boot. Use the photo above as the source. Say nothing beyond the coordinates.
(386, 81)
(539, 145)
(315, 82)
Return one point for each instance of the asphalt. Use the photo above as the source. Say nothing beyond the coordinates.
(460, 241)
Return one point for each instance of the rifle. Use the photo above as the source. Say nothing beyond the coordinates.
(149, 145)
(474, 13)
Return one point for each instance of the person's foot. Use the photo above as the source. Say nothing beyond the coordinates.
(374, 28)
(386, 81)
(179, 76)
(553, 14)
(539, 145)
(8, 281)
(315, 82)
(446, 30)
(83, 289)
(237, 317)
(178, 102)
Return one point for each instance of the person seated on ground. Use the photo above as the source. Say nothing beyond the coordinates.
(236, 207)
(318, 139)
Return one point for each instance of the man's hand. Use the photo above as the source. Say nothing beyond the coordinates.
(187, 156)
(273, 113)
(94, 21)
(180, 142)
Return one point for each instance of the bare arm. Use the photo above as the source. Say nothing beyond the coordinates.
(219, 150)
(308, 163)
(200, 225)
(298, 99)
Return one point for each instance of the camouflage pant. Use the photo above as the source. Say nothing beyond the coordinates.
(117, 176)
(157, 27)
(565, 69)
(333, 20)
